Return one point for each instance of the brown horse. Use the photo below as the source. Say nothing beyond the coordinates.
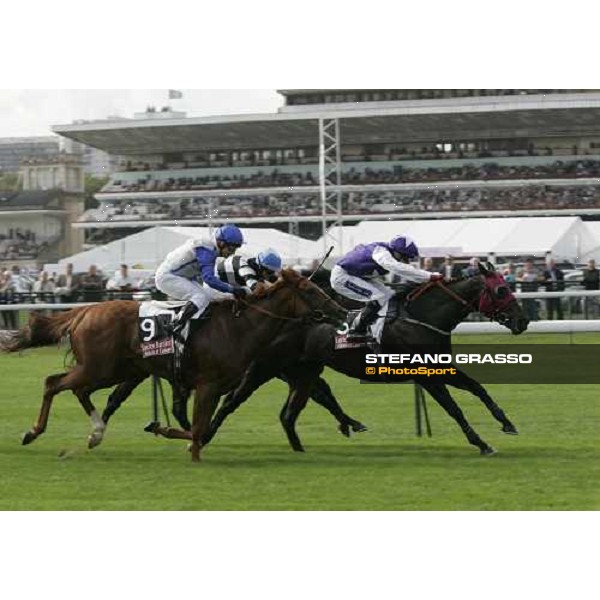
(106, 347)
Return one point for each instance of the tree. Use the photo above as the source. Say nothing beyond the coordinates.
(9, 182)
(92, 185)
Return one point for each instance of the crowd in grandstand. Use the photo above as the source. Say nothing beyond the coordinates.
(528, 197)
(16, 243)
(391, 153)
(367, 176)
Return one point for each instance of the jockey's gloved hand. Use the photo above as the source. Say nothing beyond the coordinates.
(239, 292)
(436, 277)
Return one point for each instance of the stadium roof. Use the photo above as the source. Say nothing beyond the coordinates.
(382, 122)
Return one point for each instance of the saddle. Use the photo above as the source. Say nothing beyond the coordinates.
(394, 309)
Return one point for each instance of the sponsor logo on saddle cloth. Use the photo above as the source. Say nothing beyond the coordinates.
(155, 323)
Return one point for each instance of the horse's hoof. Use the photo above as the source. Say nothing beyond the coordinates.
(299, 449)
(359, 428)
(28, 438)
(510, 429)
(152, 427)
(488, 451)
(344, 430)
(93, 441)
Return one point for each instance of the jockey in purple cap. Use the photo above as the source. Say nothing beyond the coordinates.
(358, 274)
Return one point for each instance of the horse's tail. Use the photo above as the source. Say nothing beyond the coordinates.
(41, 330)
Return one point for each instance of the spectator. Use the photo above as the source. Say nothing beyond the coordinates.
(92, 285)
(591, 281)
(510, 276)
(591, 276)
(450, 270)
(428, 264)
(473, 268)
(10, 318)
(529, 278)
(121, 280)
(21, 283)
(554, 279)
(43, 284)
(67, 285)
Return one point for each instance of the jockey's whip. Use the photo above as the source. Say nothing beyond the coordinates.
(321, 263)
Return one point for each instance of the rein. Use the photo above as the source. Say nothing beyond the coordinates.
(425, 288)
(315, 314)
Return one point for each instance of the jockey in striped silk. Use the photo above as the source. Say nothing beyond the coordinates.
(249, 271)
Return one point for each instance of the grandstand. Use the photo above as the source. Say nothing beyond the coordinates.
(329, 157)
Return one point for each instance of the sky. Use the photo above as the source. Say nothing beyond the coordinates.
(33, 112)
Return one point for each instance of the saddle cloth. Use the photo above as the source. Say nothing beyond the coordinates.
(156, 320)
(388, 312)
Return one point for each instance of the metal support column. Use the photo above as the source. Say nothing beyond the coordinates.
(330, 182)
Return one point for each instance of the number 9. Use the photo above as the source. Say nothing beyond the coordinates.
(149, 327)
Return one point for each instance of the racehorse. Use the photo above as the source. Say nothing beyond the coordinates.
(435, 310)
(321, 392)
(106, 346)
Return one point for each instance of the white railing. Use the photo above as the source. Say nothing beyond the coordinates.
(57, 306)
(579, 326)
(563, 294)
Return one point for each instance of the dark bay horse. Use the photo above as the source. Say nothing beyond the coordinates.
(106, 347)
(435, 311)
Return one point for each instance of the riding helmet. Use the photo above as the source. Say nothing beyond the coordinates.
(270, 260)
(403, 244)
(230, 234)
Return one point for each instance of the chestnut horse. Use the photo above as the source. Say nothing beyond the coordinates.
(106, 347)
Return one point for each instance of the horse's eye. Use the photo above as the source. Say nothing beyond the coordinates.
(502, 292)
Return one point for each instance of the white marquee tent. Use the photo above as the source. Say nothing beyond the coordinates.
(146, 249)
(562, 237)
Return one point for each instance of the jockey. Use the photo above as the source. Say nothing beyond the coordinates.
(358, 276)
(188, 272)
(248, 272)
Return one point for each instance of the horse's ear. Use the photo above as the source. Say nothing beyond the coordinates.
(491, 267)
(482, 269)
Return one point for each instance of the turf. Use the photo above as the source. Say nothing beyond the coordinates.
(553, 464)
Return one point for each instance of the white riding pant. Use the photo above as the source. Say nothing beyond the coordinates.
(181, 288)
(359, 289)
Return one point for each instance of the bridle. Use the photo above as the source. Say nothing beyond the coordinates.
(475, 304)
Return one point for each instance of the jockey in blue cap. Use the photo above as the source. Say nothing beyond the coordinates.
(357, 275)
(188, 272)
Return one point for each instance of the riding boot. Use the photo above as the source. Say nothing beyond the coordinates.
(189, 310)
(367, 317)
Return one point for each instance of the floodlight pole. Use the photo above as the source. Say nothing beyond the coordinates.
(330, 181)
